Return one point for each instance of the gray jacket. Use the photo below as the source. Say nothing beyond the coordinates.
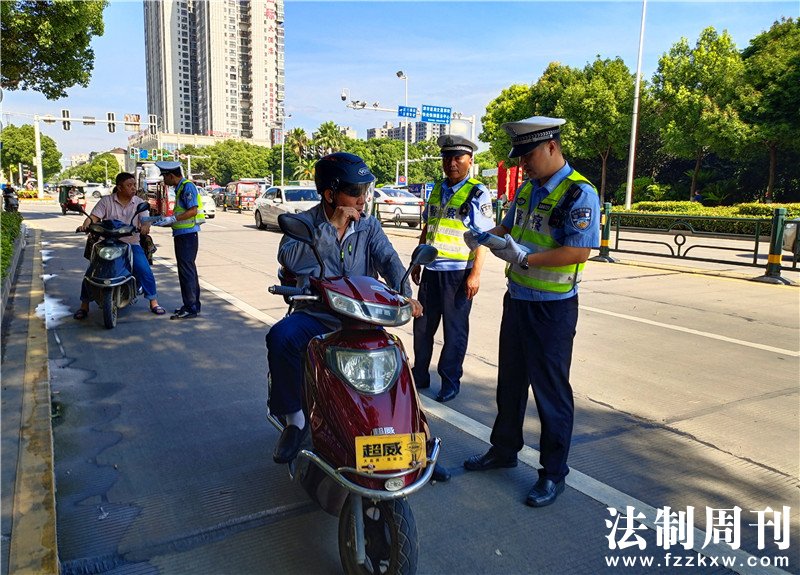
(364, 252)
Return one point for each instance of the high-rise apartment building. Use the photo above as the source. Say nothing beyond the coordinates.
(216, 67)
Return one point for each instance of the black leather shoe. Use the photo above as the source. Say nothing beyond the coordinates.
(489, 461)
(183, 314)
(544, 492)
(289, 443)
(445, 397)
(440, 473)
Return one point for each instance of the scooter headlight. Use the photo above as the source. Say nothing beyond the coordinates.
(110, 252)
(367, 372)
(376, 313)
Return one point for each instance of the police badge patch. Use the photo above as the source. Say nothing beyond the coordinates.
(520, 201)
(486, 210)
(581, 217)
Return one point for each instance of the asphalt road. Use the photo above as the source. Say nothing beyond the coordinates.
(686, 391)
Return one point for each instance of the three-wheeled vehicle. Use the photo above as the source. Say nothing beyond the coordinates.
(71, 195)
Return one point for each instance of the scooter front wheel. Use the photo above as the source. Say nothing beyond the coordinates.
(390, 538)
(109, 308)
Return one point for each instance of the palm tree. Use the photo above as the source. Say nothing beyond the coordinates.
(305, 169)
(297, 141)
(329, 137)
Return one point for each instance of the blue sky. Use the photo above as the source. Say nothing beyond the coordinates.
(455, 54)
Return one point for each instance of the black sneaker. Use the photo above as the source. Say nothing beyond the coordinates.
(183, 314)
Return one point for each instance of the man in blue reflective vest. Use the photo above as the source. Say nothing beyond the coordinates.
(549, 231)
(448, 285)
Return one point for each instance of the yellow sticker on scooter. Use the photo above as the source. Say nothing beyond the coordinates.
(389, 452)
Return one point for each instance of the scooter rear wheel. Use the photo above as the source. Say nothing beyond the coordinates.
(390, 533)
(109, 309)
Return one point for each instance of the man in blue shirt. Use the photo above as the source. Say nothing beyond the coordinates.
(549, 232)
(448, 285)
(185, 223)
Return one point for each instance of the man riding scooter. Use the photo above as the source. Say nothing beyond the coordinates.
(350, 243)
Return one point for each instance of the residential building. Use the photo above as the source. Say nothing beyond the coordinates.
(382, 132)
(426, 131)
(216, 68)
(348, 132)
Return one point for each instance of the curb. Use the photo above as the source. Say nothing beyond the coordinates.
(33, 547)
(19, 245)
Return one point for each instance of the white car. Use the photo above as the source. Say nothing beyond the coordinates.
(283, 199)
(96, 190)
(397, 206)
(209, 207)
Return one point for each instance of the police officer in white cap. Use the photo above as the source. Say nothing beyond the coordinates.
(185, 222)
(448, 285)
(549, 232)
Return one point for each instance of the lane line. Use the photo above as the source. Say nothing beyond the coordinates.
(689, 330)
(597, 490)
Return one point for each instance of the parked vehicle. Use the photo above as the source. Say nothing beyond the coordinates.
(240, 195)
(209, 206)
(10, 199)
(96, 190)
(279, 200)
(71, 195)
(399, 206)
(109, 280)
(371, 446)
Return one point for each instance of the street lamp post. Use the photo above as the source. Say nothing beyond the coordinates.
(105, 165)
(471, 120)
(283, 143)
(403, 77)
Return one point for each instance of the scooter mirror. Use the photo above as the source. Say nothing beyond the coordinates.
(143, 207)
(296, 228)
(423, 254)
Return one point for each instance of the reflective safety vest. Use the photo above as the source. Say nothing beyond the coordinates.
(445, 228)
(199, 218)
(534, 231)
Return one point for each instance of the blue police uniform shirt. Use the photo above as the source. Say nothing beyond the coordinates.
(479, 216)
(188, 200)
(586, 206)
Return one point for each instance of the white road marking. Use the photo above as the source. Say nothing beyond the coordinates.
(597, 490)
(788, 352)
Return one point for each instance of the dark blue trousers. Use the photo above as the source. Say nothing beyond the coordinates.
(185, 254)
(536, 350)
(444, 300)
(287, 341)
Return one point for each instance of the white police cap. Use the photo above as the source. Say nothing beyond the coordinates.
(174, 167)
(528, 133)
(452, 145)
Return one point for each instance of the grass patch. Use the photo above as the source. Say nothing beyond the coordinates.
(10, 226)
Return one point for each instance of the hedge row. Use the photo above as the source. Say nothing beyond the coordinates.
(10, 225)
(644, 215)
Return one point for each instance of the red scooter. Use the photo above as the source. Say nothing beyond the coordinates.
(371, 443)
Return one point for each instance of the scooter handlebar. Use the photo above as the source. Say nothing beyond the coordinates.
(286, 290)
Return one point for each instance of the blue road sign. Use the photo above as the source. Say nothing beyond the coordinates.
(407, 111)
(436, 114)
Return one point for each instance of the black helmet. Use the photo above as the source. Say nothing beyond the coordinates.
(342, 172)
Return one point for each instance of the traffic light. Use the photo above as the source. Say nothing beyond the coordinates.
(112, 126)
(65, 119)
(153, 120)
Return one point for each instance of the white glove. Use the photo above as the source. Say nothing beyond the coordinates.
(512, 252)
(166, 222)
(470, 240)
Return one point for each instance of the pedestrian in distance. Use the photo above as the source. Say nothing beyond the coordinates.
(185, 222)
(449, 284)
(549, 232)
(121, 205)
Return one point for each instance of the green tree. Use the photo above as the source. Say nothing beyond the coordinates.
(513, 103)
(297, 141)
(305, 169)
(597, 104)
(46, 44)
(329, 138)
(19, 147)
(772, 70)
(95, 170)
(699, 93)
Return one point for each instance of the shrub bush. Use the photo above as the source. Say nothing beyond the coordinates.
(11, 223)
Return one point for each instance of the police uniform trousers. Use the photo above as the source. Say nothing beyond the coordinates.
(444, 300)
(186, 246)
(536, 350)
(287, 341)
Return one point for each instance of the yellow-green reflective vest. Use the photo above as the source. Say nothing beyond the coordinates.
(533, 231)
(445, 227)
(199, 218)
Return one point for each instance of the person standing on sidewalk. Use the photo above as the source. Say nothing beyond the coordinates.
(549, 232)
(448, 285)
(185, 222)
